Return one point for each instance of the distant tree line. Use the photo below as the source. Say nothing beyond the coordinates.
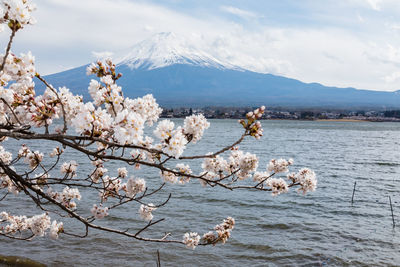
(392, 113)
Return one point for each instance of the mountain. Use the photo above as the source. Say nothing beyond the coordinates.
(165, 49)
(179, 74)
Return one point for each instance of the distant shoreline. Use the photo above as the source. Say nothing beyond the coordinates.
(300, 115)
(329, 120)
(345, 120)
(316, 120)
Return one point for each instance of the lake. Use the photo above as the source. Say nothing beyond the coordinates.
(322, 228)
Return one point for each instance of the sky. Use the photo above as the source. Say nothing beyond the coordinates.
(344, 43)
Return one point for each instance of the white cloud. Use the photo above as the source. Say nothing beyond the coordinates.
(375, 4)
(360, 18)
(245, 14)
(392, 77)
(102, 55)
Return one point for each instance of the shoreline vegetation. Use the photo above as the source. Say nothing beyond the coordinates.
(284, 114)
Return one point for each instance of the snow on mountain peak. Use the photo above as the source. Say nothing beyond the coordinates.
(166, 48)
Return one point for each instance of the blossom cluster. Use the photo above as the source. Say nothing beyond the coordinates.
(194, 127)
(69, 168)
(32, 158)
(38, 225)
(17, 13)
(278, 186)
(180, 175)
(99, 212)
(145, 211)
(113, 185)
(20, 70)
(279, 165)
(221, 234)
(134, 186)
(99, 171)
(191, 240)
(306, 178)
(66, 197)
(5, 156)
(253, 126)
(6, 182)
(173, 141)
(241, 164)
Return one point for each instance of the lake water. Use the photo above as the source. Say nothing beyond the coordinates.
(322, 228)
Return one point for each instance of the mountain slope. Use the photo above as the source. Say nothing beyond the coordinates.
(178, 74)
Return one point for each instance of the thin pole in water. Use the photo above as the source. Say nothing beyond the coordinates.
(354, 190)
(391, 208)
(158, 259)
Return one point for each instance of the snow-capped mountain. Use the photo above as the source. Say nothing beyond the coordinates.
(165, 49)
(178, 73)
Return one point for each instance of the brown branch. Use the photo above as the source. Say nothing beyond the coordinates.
(218, 152)
(14, 176)
(13, 31)
(12, 111)
(58, 98)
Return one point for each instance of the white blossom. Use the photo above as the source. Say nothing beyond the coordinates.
(122, 172)
(215, 164)
(247, 163)
(69, 168)
(20, 10)
(66, 197)
(56, 152)
(279, 165)
(98, 173)
(111, 185)
(306, 178)
(38, 224)
(146, 210)
(83, 120)
(278, 186)
(224, 229)
(128, 127)
(99, 212)
(191, 240)
(169, 177)
(6, 182)
(260, 176)
(5, 156)
(194, 126)
(207, 176)
(164, 129)
(184, 169)
(135, 186)
(176, 144)
(34, 158)
(146, 106)
(55, 229)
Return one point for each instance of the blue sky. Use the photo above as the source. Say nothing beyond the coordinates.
(341, 43)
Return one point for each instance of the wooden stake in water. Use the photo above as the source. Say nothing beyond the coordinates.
(354, 190)
(391, 208)
(158, 259)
